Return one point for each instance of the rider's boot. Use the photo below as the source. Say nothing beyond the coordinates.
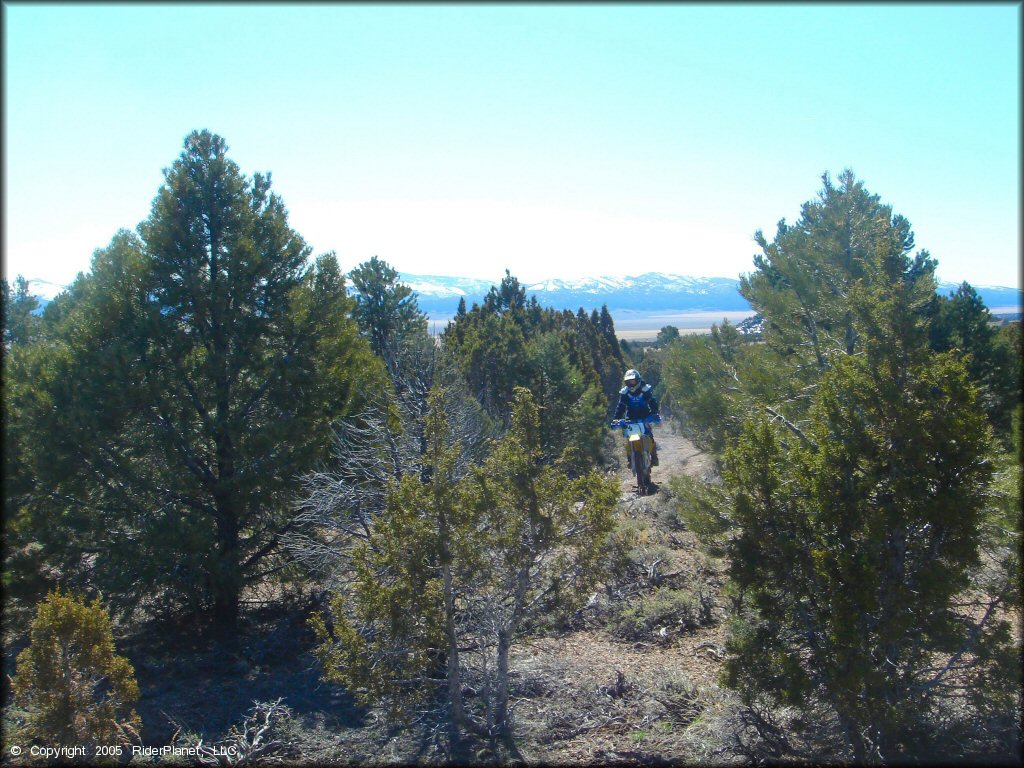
(654, 454)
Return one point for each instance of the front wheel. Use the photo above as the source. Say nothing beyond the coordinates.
(642, 472)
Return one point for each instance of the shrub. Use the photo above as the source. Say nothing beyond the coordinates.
(682, 700)
(669, 609)
(634, 554)
(704, 509)
(71, 683)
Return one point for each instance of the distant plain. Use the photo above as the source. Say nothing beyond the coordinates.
(634, 325)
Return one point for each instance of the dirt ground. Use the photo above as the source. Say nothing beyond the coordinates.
(638, 721)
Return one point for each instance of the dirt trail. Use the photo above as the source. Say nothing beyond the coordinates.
(676, 456)
(578, 719)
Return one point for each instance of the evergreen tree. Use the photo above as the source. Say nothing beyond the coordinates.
(386, 310)
(857, 470)
(803, 279)
(509, 296)
(71, 683)
(572, 414)
(571, 361)
(802, 287)
(963, 322)
(853, 544)
(186, 383)
(714, 384)
(21, 325)
(666, 336)
(455, 569)
(18, 311)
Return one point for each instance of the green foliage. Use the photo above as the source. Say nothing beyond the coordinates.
(667, 335)
(854, 545)
(179, 390)
(21, 577)
(1008, 468)
(386, 310)
(540, 525)
(961, 322)
(387, 636)
(858, 535)
(72, 685)
(17, 311)
(571, 413)
(805, 286)
(491, 348)
(715, 381)
(510, 342)
(701, 387)
(1010, 337)
(704, 508)
(454, 569)
(802, 278)
(857, 482)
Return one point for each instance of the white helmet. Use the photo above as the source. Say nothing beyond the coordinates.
(632, 378)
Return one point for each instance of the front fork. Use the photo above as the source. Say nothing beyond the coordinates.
(637, 450)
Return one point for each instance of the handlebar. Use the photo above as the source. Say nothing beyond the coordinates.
(655, 419)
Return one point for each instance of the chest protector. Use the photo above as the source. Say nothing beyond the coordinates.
(636, 403)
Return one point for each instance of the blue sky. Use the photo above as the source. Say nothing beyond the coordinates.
(557, 141)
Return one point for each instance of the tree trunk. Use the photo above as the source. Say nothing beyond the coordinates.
(226, 577)
(458, 717)
(501, 724)
(227, 569)
(454, 674)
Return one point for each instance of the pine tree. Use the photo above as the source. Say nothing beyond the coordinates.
(198, 369)
(666, 336)
(386, 310)
(572, 414)
(803, 279)
(570, 361)
(802, 287)
(509, 296)
(854, 543)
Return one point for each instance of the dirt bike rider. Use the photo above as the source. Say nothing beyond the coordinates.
(636, 401)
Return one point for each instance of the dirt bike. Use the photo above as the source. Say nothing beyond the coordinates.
(638, 447)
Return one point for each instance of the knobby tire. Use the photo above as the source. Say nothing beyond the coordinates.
(640, 473)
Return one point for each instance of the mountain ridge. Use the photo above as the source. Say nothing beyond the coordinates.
(439, 295)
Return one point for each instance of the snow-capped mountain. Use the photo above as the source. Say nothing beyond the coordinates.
(652, 291)
(431, 288)
(994, 296)
(438, 295)
(44, 289)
